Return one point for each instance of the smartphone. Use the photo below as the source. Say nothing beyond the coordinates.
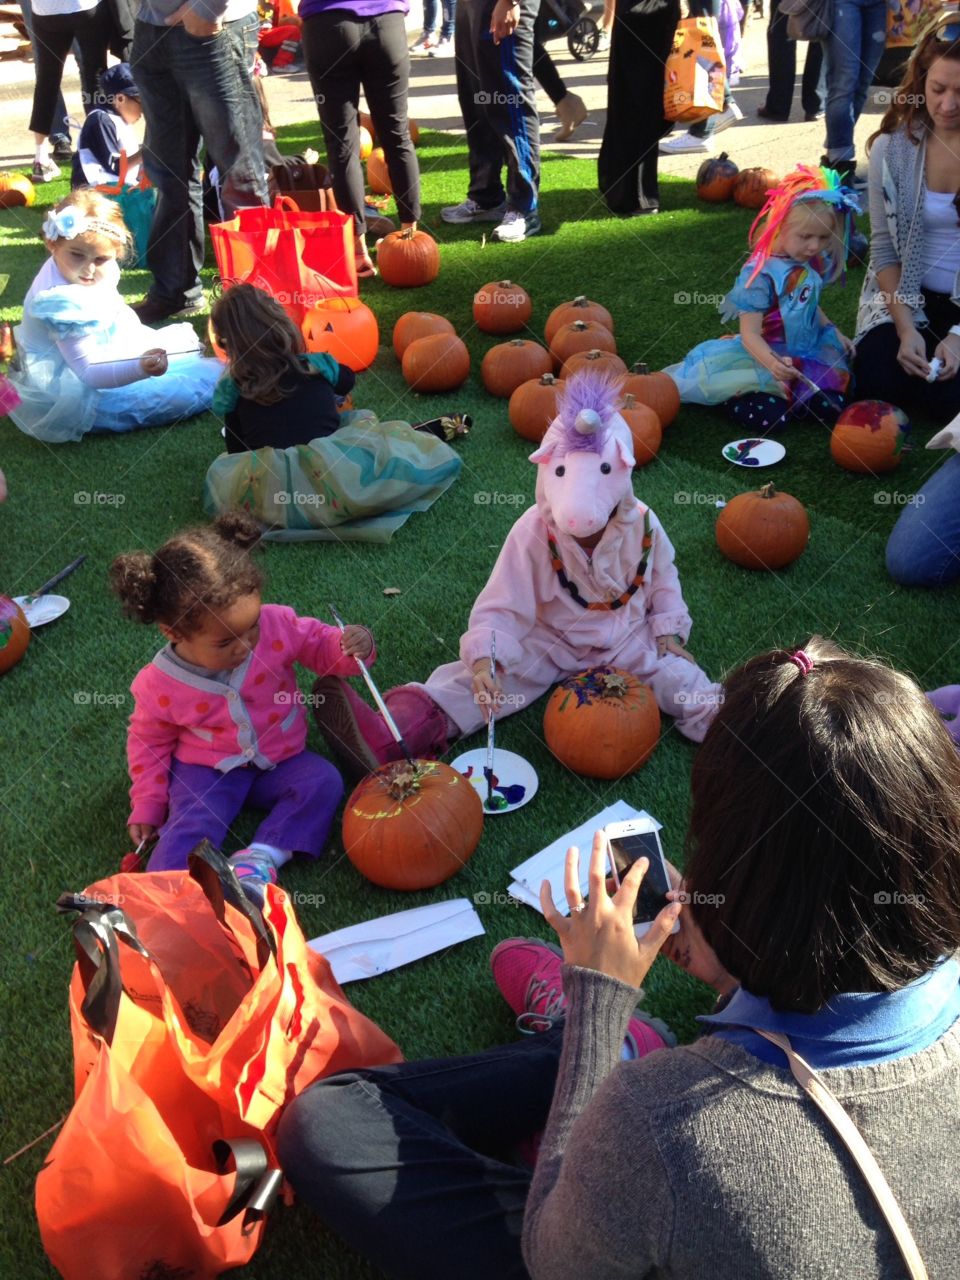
(628, 841)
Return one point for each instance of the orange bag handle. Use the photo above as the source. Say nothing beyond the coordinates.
(287, 204)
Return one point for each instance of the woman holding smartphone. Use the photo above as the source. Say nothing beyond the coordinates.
(823, 871)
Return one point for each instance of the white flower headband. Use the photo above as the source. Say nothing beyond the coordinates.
(70, 223)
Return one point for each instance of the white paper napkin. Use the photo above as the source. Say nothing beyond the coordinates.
(387, 942)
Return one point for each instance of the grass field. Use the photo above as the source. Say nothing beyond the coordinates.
(63, 710)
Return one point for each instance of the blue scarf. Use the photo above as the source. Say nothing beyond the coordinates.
(855, 1030)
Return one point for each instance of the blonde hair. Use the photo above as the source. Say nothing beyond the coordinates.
(98, 209)
(822, 211)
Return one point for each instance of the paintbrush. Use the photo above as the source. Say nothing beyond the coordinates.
(375, 694)
(181, 351)
(488, 767)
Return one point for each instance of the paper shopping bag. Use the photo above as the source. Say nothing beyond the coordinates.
(694, 73)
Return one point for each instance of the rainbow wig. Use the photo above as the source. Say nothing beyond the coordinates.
(805, 183)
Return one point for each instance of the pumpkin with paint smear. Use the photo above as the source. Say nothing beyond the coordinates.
(869, 436)
(508, 365)
(344, 328)
(752, 186)
(763, 530)
(603, 723)
(716, 178)
(14, 633)
(533, 406)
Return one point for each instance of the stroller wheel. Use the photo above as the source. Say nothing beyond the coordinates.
(583, 39)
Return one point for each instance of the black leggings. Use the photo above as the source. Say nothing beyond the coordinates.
(878, 376)
(52, 37)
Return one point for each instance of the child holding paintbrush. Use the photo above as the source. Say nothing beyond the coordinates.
(84, 361)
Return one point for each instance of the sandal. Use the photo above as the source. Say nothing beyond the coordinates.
(365, 268)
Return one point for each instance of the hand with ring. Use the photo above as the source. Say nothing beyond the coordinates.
(598, 934)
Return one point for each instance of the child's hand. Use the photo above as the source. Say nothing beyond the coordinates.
(154, 362)
(783, 370)
(356, 643)
(673, 644)
(140, 831)
(487, 689)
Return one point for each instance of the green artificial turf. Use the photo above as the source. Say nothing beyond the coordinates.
(63, 801)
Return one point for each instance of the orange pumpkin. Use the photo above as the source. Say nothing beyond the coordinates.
(345, 328)
(579, 308)
(533, 406)
(14, 633)
(408, 259)
(607, 362)
(581, 335)
(7, 347)
(218, 351)
(412, 828)
(716, 178)
(603, 723)
(16, 190)
(440, 362)
(414, 131)
(366, 143)
(366, 122)
(378, 176)
(763, 530)
(869, 436)
(417, 324)
(501, 307)
(644, 427)
(751, 186)
(509, 364)
(656, 390)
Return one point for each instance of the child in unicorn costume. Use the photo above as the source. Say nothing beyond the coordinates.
(586, 578)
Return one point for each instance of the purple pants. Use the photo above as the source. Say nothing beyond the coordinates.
(300, 796)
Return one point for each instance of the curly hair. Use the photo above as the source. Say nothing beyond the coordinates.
(908, 108)
(261, 342)
(200, 569)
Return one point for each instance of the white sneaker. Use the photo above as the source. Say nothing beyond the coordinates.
(423, 44)
(44, 171)
(685, 144)
(470, 211)
(517, 226)
(728, 116)
(442, 49)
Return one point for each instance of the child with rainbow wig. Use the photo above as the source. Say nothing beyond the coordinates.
(789, 361)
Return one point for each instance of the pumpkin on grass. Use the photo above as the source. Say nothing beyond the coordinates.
(366, 122)
(408, 258)
(509, 364)
(716, 178)
(869, 436)
(366, 143)
(751, 186)
(501, 307)
(656, 390)
(14, 633)
(579, 308)
(763, 530)
(581, 335)
(412, 826)
(644, 427)
(440, 362)
(533, 406)
(378, 175)
(603, 723)
(16, 190)
(607, 362)
(345, 328)
(417, 324)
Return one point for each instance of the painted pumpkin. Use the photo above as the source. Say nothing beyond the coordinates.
(16, 190)
(501, 307)
(869, 436)
(533, 406)
(345, 328)
(509, 364)
(579, 308)
(763, 530)
(417, 324)
(716, 178)
(14, 633)
(644, 427)
(656, 390)
(408, 259)
(603, 723)
(751, 186)
(581, 335)
(378, 176)
(412, 828)
(440, 362)
(607, 362)
(366, 143)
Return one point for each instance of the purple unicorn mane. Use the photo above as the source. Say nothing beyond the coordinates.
(586, 390)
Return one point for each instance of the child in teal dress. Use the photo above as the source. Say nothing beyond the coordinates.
(789, 361)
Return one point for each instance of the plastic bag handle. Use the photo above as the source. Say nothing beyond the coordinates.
(98, 958)
(257, 1185)
(216, 877)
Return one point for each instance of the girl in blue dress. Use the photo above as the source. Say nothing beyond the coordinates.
(84, 360)
(789, 361)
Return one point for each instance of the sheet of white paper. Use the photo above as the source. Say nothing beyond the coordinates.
(948, 438)
(548, 863)
(387, 942)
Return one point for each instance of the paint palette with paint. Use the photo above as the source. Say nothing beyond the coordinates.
(515, 780)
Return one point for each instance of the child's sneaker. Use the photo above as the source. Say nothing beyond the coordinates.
(470, 211)
(517, 226)
(45, 171)
(423, 44)
(255, 872)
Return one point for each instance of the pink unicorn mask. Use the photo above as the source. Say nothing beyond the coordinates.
(586, 457)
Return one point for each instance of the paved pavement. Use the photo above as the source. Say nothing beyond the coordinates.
(433, 102)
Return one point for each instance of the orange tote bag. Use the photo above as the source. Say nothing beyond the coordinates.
(694, 73)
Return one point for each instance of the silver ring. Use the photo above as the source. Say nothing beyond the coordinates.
(581, 906)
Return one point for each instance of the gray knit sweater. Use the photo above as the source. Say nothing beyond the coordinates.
(704, 1163)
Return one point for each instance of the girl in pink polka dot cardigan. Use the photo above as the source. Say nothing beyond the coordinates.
(218, 723)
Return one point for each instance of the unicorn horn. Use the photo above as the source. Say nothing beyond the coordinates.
(588, 421)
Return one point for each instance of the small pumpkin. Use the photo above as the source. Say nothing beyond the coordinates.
(751, 186)
(509, 364)
(439, 362)
(607, 362)
(656, 390)
(869, 436)
(533, 406)
(408, 259)
(414, 131)
(501, 307)
(644, 427)
(366, 122)
(417, 324)
(579, 308)
(16, 190)
(366, 143)
(378, 175)
(581, 335)
(412, 827)
(14, 633)
(603, 723)
(763, 530)
(716, 178)
(345, 328)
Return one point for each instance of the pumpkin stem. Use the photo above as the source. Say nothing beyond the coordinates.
(613, 685)
(580, 325)
(581, 300)
(768, 491)
(547, 380)
(504, 284)
(517, 342)
(408, 233)
(640, 367)
(402, 780)
(629, 401)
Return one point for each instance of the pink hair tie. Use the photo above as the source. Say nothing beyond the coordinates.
(802, 660)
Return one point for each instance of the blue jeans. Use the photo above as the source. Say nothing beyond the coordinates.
(430, 8)
(924, 548)
(851, 54)
(195, 90)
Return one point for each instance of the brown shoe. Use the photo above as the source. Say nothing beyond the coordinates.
(336, 717)
(571, 111)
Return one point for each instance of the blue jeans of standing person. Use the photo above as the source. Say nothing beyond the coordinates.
(851, 53)
(410, 1164)
(708, 9)
(782, 65)
(924, 548)
(430, 8)
(195, 90)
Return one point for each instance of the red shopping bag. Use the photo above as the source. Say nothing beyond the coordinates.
(296, 256)
(195, 1018)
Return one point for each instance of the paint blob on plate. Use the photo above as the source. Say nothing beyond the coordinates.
(751, 452)
(41, 609)
(515, 780)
